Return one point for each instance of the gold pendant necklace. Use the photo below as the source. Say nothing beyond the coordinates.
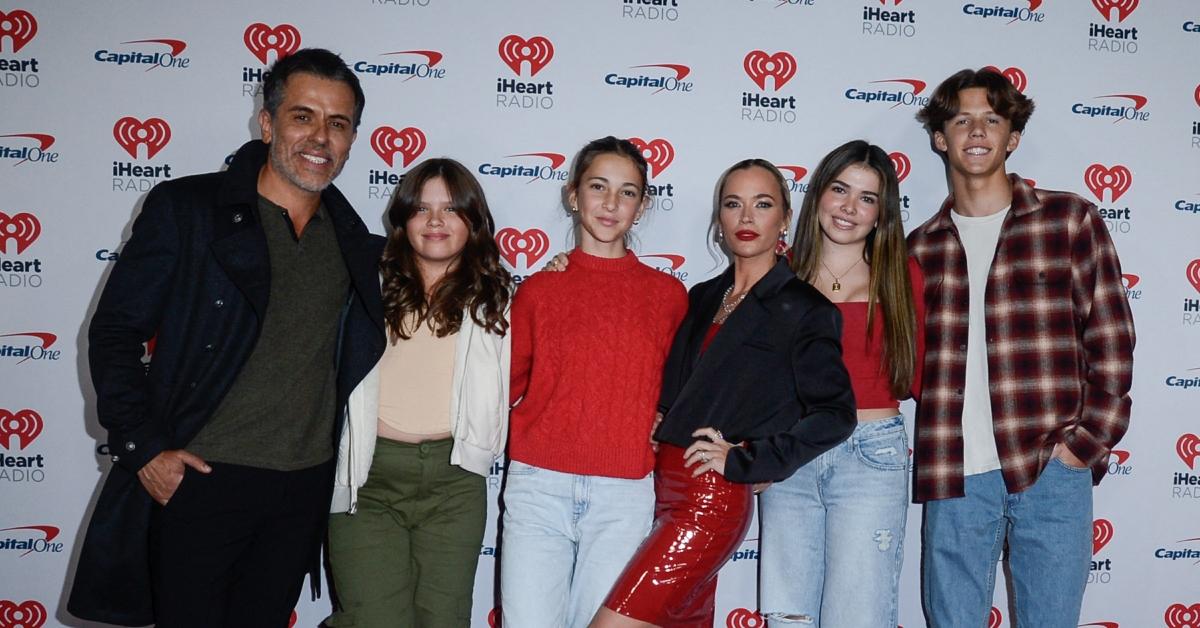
(837, 279)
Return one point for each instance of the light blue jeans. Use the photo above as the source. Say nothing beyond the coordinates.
(832, 537)
(565, 539)
(1049, 531)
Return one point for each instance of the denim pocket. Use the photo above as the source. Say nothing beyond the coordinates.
(520, 468)
(1069, 468)
(887, 451)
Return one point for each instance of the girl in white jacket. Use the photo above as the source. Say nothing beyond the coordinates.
(425, 426)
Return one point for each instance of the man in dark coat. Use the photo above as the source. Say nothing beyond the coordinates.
(260, 287)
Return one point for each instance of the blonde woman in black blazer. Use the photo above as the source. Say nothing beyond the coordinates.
(754, 387)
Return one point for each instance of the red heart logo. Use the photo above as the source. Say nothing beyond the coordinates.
(293, 619)
(532, 243)
(1124, 8)
(1193, 273)
(1188, 448)
(130, 132)
(902, 165)
(20, 26)
(995, 618)
(409, 142)
(261, 39)
(24, 424)
(1116, 180)
(1180, 616)
(27, 614)
(1016, 76)
(744, 618)
(514, 50)
(1198, 95)
(24, 228)
(1102, 533)
(759, 65)
(658, 153)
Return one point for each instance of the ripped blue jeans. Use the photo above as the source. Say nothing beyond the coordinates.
(832, 537)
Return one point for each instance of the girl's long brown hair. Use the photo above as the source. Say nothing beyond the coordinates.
(886, 253)
(476, 283)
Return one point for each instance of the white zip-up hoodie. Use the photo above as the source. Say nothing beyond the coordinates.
(478, 413)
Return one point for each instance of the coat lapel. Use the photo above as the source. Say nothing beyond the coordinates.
(240, 247)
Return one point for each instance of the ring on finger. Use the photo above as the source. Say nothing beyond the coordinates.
(704, 457)
(718, 435)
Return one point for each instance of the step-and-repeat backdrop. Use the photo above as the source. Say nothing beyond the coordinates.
(101, 101)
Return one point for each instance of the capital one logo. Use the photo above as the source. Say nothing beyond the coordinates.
(130, 132)
(261, 39)
(24, 425)
(658, 153)
(1180, 616)
(532, 243)
(902, 165)
(1102, 533)
(797, 172)
(1129, 281)
(22, 228)
(1123, 8)
(43, 140)
(1192, 272)
(1101, 624)
(1016, 76)
(1116, 180)
(674, 261)
(409, 142)
(744, 618)
(1188, 449)
(780, 66)
(19, 26)
(536, 51)
(27, 614)
(42, 541)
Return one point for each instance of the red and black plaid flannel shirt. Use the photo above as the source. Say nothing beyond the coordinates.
(1059, 341)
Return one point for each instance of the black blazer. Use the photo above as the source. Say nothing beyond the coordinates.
(773, 376)
(195, 274)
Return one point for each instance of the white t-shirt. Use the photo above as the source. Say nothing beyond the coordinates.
(979, 236)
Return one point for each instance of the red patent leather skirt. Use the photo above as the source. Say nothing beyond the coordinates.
(699, 523)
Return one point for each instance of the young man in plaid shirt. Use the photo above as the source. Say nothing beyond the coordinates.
(1029, 358)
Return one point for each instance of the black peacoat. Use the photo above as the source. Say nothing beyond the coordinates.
(195, 274)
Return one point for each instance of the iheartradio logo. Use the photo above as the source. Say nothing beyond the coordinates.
(744, 618)
(1180, 616)
(261, 39)
(902, 165)
(1197, 95)
(995, 618)
(22, 228)
(1192, 272)
(409, 142)
(1016, 76)
(1188, 449)
(1102, 533)
(780, 66)
(25, 425)
(1116, 180)
(532, 243)
(658, 153)
(19, 26)
(27, 614)
(515, 50)
(1124, 8)
(130, 132)
(493, 618)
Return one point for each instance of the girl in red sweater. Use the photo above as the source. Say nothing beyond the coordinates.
(587, 356)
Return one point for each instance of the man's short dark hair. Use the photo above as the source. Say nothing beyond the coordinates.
(316, 61)
(1004, 99)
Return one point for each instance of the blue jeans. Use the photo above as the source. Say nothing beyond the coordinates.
(1049, 532)
(566, 538)
(833, 534)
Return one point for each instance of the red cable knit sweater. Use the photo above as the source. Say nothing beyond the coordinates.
(588, 346)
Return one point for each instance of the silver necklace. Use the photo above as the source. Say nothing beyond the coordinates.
(728, 306)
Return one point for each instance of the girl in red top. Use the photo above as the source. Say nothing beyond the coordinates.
(587, 355)
(832, 534)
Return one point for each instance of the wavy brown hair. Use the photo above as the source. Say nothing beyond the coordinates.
(886, 254)
(1005, 99)
(476, 283)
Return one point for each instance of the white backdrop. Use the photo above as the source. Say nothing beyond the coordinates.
(102, 100)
